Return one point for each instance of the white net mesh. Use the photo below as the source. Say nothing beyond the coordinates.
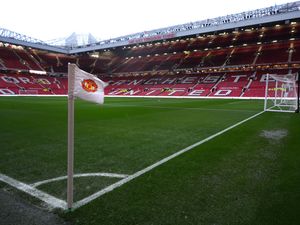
(281, 93)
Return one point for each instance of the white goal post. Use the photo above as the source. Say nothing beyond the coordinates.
(282, 93)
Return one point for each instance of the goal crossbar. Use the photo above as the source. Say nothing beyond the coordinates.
(282, 93)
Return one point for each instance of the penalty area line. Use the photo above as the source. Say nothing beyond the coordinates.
(151, 167)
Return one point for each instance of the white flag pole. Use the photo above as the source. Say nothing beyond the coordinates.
(71, 81)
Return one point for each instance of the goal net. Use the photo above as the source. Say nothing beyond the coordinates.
(281, 93)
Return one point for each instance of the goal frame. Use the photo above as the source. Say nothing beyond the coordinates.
(280, 100)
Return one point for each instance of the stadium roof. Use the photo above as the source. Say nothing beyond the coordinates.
(283, 12)
(74, 40)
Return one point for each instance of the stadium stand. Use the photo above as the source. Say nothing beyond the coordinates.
(11, 60)
(23, 84)
(223, 63)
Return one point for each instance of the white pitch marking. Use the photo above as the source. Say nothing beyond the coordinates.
(151, 167)
(115, 175)
(49, 199)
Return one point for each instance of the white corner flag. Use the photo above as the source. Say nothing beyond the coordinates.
(87, 87)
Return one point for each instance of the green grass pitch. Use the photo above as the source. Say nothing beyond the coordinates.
(248, 175)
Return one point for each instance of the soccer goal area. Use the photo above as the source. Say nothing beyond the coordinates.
(282, 93)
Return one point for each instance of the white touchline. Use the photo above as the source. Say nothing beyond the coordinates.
(58, 203)
(114, 175)
(147, 169)
(49, 199)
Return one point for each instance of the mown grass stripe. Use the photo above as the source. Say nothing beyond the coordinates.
(151, 167)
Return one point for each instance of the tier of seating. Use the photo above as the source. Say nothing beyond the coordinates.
(24, 84)
(229, 64)
(213, 85)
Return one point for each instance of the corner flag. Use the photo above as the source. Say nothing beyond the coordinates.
(87, 87)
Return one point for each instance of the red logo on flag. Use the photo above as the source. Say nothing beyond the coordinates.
(89, 85)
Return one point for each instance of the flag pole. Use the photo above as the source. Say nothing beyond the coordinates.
(71, 81)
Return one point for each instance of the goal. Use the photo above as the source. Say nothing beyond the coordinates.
(282, 93)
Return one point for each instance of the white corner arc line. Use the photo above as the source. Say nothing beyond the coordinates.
(49, 199)
(147, 169)
(114, 175)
